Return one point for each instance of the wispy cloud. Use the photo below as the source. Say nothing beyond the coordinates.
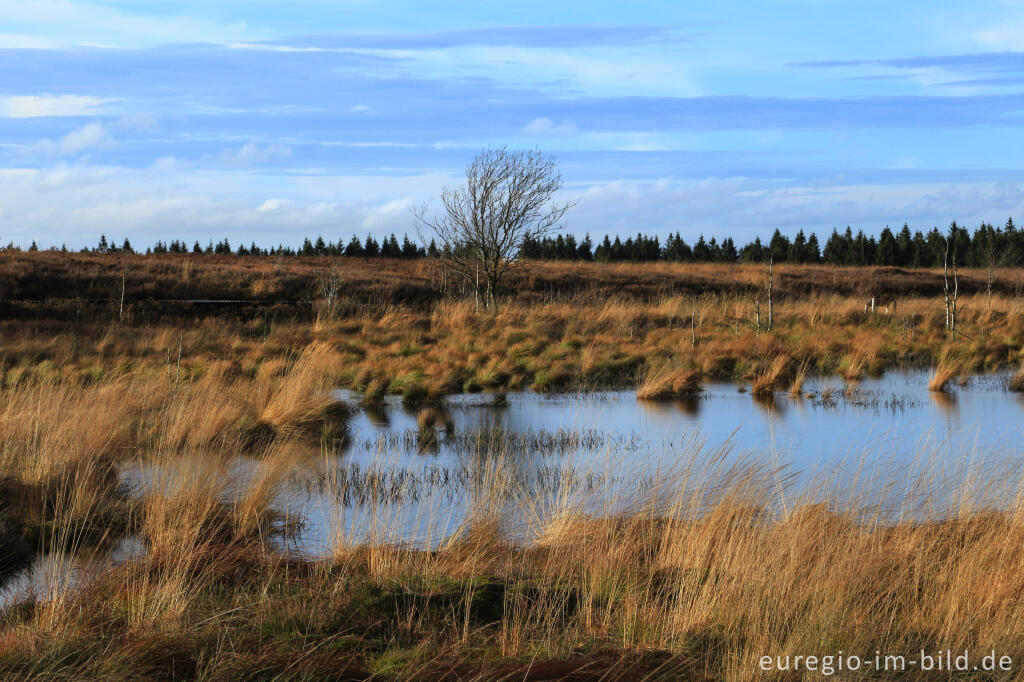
(34, 106)
(248, 115)
(275, 204)
(522, 36)
(544, 126)
(251, 154)
(986, 61)
(91, 136)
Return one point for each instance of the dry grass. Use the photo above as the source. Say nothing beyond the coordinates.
(302, 402)
(1017, 381)
(949, 368)
(717, 563)
(581, 344)
(796, 385)
(568, 326)
(668, 382)
(780, 371)
(721, 561)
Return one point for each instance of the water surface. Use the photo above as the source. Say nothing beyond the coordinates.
(392, 481)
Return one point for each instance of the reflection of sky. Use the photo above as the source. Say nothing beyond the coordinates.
(892, 432)
(894, 416)
(50, 575)
(269, 121)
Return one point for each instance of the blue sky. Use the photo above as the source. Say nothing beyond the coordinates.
(266, 121)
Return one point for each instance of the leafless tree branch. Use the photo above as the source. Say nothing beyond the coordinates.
(506, 200)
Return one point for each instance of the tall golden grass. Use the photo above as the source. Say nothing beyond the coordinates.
(422, 352)
(1017, 381)
(722, 560)
(668, 381)
(947, 369)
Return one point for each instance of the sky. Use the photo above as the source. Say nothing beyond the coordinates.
(269, 122)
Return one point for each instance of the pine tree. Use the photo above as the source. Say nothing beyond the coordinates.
(354, 247)
(371, 247)
(887, 248)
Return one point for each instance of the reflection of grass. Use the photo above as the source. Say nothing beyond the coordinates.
(695, 572)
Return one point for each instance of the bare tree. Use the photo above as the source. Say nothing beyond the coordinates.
(124, 285)
(950, 294)
(330, 283)
(993, 258)
(507, 199)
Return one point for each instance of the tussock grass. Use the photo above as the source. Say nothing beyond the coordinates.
(427, 350)
(796, 385)
(302, 402)
(669, 382)
(779, 371)
(724, 560)
(568, 327)
(948, 369)
(1017, 381)
(550, 573)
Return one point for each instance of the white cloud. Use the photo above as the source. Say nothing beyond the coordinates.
(384, 218)
(275, 205)
(169, 164)
(545, 126)
(75, 202)
(608, 71)
(32, 106)
(73, 22)
(63, 176)
(746, 207)
(251, 153)
(360, 109)
(90, 136)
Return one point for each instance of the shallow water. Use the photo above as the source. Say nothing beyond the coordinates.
(50, 575)
(891, 428)
(389, 483)
(892, 417)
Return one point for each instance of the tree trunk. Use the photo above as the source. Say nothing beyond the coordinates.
(950, 296)
(124, 276)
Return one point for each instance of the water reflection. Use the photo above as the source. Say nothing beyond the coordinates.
(418, 474)
(50, 575)
(894, 415)
(944, 401)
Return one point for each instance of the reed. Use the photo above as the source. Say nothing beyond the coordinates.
(720, 560)
(1017, 381)
(780, 370)
(514, 561)
(948, 369)
(796, 385)
(669, 381)
(431, 349)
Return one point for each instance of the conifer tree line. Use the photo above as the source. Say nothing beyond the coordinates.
(987, 246)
